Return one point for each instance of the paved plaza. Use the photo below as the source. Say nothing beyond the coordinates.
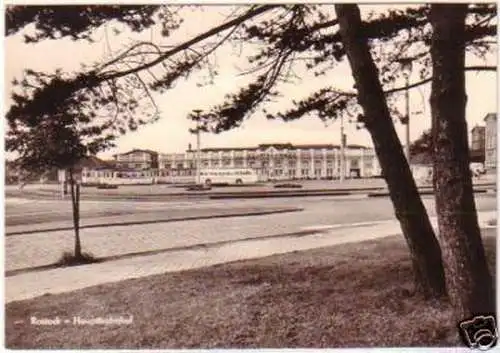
(191, 243)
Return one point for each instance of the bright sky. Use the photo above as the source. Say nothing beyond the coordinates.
(171, 134)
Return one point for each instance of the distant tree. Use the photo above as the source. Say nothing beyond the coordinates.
(57, 143)
(423, 144)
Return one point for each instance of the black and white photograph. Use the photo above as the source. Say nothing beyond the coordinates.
(269, 175)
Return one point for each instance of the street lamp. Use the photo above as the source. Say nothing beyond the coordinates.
(407, 67)
(198, 154)
(342, 149)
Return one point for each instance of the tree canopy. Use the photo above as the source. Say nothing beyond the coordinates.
(286, 36)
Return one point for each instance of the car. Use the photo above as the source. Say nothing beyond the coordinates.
(107, 186)
(288, 185)
(198, 187)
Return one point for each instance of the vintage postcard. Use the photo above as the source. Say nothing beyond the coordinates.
(239, 175)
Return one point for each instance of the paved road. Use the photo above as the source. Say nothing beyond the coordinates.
(334, 209)
(44, 248)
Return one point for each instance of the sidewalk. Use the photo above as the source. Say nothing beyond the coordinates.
(30, 285)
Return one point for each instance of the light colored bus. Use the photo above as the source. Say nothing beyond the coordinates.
(228, 176)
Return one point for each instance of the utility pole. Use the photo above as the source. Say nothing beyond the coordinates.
(342, 149)
(198, 151)
(198, 181)
(407, 67)
(407, 96)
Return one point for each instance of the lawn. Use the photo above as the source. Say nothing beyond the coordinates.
(349, 295)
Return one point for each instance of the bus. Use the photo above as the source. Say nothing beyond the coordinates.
(228, 176)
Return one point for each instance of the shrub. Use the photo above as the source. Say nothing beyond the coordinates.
(69, 259)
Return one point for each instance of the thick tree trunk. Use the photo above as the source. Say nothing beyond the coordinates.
(75, 203)
(468, 279)
(408, 206)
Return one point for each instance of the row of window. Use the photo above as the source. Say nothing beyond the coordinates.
(192, 172)
(491, 142)
(241, 154)
(128, 175)
(254, 158)
(355, 163)
(303, 172)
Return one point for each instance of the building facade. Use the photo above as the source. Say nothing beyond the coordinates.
(478, 143)
(137, 159)
(277, 161)
(490, 161)
(478, 138)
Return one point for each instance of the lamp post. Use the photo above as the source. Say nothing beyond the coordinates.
(407, 67)
(342, 149)
(198, 154)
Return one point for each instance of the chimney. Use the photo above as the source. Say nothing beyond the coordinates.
(189, 147)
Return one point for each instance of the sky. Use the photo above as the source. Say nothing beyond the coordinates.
(171, 132)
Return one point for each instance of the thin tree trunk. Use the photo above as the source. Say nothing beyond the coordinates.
(468, 279)
(75, 202)
(408, 206)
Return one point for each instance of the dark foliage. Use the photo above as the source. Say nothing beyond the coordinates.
(75, 22)
(290, 36)
(423, 144)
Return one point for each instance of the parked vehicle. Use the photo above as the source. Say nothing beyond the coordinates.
(228, 176)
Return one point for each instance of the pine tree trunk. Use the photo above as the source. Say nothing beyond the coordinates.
(408, 206)
(468, 279)
(75, 203)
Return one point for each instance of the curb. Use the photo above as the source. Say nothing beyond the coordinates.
(264, 195)
(370, 191)
(167, 220)
(210, 194)
(421, 192)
